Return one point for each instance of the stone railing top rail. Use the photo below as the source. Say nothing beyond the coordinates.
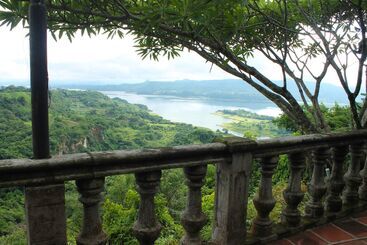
(18, 172)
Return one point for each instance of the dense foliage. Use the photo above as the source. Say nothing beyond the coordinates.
(338, 117)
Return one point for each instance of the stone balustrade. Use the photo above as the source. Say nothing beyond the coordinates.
(330, 196)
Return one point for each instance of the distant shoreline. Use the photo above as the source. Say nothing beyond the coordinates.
(225, 90)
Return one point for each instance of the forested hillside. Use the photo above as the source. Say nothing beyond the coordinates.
(90, 121)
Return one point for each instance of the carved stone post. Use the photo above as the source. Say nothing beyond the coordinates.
(193, 219)
(45, 214)
(336, 182)
(352, 177)
(293, 195)
(90, 196)
(264, 201)
(231, 194)
(317, 188)
(147, 228)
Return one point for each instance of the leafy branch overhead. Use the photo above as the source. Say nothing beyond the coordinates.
(291, 34)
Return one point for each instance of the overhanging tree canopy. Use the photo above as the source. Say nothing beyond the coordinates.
(227, 33)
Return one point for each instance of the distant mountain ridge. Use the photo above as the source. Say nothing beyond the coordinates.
(229, 89)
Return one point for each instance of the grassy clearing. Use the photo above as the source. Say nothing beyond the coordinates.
(250, 125)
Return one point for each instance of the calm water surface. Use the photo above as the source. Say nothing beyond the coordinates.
(198, 112)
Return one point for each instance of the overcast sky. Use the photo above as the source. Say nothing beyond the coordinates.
(97, 59)
(101, 60)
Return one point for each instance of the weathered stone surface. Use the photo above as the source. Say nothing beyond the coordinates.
(20, 172)
(147, 228)
(363, 188)
(90, 196)
(336, 182)
(45, 207)
(193, 219)
(352, 177)
(293, 195)
(317, 188)
(231, 198)
(262, 225)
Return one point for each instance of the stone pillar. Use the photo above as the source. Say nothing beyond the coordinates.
(336, 182)
(231, 195)
(45, 214)
(317, 188)
(293, 195)
(147, 228)
(90, 196)
(262, 226)
(193, 219)
(352, 177)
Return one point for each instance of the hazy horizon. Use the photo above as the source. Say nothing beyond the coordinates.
(26, 83)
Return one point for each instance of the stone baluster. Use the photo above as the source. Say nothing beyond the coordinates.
(352, 177)
(90, 196)
(293, 194)
(336, 182)
(193, 219)
(317, 188)
(363, 188)
(264, 201)
(147, 228)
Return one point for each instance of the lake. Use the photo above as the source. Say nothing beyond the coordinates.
(195, 111)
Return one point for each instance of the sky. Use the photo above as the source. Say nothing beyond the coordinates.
(101, 60)
(96, 60)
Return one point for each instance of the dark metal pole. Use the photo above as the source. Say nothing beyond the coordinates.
(39, 78)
